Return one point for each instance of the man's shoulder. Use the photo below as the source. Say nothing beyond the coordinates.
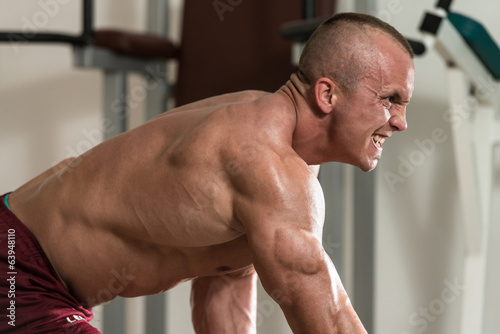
(269, 171)
(273, 188)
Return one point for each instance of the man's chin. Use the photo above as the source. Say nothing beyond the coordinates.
(368, 166)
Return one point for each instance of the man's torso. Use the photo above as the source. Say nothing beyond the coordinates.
(153, 207)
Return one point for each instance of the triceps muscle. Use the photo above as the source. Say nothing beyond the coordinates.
(298, 250)
(293, 257)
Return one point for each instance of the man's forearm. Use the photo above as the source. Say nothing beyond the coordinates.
(302, 279)
(313, 305)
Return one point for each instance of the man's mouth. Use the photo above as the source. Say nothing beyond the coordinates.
(378, 141)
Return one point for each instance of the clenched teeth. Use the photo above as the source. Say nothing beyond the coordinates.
(379, 140)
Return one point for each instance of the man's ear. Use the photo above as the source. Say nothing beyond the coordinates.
(326, 94)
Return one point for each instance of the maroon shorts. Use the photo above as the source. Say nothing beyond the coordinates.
(32, 298)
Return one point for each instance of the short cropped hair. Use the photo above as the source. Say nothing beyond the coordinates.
(336, 49)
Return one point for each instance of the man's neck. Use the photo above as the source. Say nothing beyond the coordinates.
(307, 135)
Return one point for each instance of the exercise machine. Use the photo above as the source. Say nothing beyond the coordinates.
(473, 68)
(117, 54)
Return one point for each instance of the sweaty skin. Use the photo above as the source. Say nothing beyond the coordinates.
(215, 192)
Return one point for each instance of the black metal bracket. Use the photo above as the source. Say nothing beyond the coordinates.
(42, 37)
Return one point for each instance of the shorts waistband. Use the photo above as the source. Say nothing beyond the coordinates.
(6, 201)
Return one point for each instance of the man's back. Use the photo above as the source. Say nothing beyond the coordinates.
(155, 204)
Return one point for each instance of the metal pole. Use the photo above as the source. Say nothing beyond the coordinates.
(158, 88)
(309, 9)
(115, 104)
(88, 19)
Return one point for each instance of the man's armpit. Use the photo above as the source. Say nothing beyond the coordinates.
(243, 272)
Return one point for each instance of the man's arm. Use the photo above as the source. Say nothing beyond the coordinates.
(225, 304)
(314, 170)
(283, 211)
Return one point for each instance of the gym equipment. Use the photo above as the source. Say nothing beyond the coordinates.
(224, 48)
(472, 59)
(118, 53)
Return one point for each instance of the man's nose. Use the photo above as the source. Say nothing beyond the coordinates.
(398, 118)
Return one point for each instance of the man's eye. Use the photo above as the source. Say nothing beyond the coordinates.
(389, 99)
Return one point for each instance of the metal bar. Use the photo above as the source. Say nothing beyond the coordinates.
(115, 103)
(332, 181)
(461, 108)
(497, 133)
(88, 19)
(135, 316)
(114, 314)
(454, 50)
(308, 9)
(92, 57)
(474, 268)
(17, 36)
(97, 321)
(348, 232)
(156, 313)
(157, 18)
(474, 261)
(417, 47)
(156, 77)
(114, 123)
(43, 37)
(364, 236)
(483, 137)
(300, 31)
(156, 103)
(444, 4)
(491, 321)
(157, 90)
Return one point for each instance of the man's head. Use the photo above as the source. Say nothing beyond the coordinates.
(339, 47)
(358, 71)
